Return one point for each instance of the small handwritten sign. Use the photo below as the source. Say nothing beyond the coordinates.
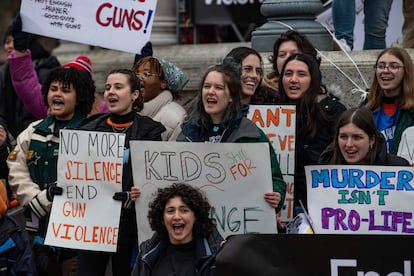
(279, 124)
(234, 177)
(90, 171)
(123, 25)
(361, 199)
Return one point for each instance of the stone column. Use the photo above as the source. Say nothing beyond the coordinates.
(285, 14)
(164, 28)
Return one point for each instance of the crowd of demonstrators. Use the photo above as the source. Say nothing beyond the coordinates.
(161, 82)
(191, 249)
(69, 95)
(142, 104)
(124, 100)
(300, 83)
(375, 22)
(357, 141)
(218, 118)
(15, 109)
(391, 95)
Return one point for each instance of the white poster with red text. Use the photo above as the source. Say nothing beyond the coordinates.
(123, 25)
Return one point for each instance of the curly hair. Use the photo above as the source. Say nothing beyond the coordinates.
(81, 82)
(192, 197)
(134, 83)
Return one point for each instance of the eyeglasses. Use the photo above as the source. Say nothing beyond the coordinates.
(144, 75)
(392, 67)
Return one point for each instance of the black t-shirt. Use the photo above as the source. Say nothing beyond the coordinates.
(177, 260)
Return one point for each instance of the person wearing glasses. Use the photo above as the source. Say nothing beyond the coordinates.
(161, 81)
(391, 95)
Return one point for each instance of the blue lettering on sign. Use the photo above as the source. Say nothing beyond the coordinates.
(361, 179)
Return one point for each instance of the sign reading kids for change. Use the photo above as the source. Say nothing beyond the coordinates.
(361, 199)
(234, 177)
(90, 171)
(123, 25)
(279, 124)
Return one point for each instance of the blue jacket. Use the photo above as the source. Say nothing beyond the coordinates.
(15, 250)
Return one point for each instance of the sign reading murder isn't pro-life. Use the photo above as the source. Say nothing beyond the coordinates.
(361, 199)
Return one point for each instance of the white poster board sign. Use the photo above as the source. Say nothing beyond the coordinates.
(361, 199)
(123, 25)
(234, 177)
(90, 171)
(279, 124)
(406, 147)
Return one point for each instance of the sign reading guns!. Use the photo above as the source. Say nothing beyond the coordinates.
(234, 176)
(361, 199)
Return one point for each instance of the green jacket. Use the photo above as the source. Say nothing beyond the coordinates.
(405, 120)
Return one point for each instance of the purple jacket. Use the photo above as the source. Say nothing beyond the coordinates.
(26, 84)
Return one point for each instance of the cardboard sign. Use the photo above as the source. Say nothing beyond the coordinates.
(234, 177)
(279, 124)
(90, 171)
(361, 199)
(123, 25)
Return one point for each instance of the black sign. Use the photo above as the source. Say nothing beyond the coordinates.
(217, 12)
(335, 255)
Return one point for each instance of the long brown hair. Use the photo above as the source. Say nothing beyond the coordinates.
(406, 97)
(363, 119)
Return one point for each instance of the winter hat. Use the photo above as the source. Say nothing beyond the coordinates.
(80, 63)
(174, 75)
(3, 198)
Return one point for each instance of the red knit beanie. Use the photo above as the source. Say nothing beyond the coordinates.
(80, 63)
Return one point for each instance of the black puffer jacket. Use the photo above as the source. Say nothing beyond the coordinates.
(307, 153)
(152, 249)
(143, 128)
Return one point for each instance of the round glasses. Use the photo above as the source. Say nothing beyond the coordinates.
(392, 67)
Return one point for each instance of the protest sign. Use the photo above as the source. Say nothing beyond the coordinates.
(406, 147)
(123, 25)
(316, 255)
(361, 199)
(279, 124)
(234, 177)
(90, 171)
